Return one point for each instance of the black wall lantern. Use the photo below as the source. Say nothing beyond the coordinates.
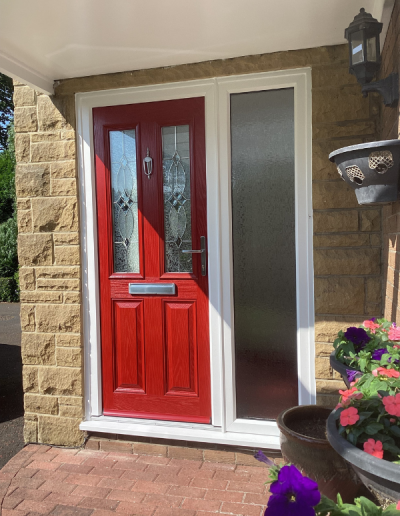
(365, 57)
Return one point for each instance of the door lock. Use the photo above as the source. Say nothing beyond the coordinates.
(201, 251)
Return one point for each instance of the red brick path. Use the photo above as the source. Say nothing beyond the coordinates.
(41, 480)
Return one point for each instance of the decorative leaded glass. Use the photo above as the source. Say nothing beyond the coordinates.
(177, 204)
(125, 201)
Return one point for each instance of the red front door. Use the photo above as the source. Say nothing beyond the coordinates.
(151, 206)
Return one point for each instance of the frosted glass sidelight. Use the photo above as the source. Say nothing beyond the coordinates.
(177, 204)
(125, 201)
(264, 255)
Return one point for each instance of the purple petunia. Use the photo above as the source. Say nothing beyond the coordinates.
(358, 336)
(377, 353)
(292, 494)
(351, 375)
(262, 458)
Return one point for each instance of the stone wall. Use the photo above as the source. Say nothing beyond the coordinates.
(347, 236)
(48, 248)
(390, 129)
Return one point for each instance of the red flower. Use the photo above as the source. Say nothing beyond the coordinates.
(370, 325)
(374, 448)
(348, 395)
(398, 505)
(391, 373)
(392, 404)
(349, 416)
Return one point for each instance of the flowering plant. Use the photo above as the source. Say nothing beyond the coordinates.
(368, 414)
(376, 343)
(293, 494)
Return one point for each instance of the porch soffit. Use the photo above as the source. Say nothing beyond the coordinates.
(45, 41)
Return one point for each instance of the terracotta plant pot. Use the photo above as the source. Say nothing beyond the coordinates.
(342, 368)
(380, 476)
(315, 457)
(371, 169)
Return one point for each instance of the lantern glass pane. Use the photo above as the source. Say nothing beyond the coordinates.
(371, 49)
(357, 50)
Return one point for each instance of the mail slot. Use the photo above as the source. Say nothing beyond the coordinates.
(152, 288)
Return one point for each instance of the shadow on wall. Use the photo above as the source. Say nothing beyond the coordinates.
(11, 400)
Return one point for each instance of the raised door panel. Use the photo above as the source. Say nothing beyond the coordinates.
(129, 357)
(181, 348)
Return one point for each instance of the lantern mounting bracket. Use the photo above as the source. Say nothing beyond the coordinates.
(388, 88)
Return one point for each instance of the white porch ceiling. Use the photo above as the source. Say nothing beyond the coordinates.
(45, 40)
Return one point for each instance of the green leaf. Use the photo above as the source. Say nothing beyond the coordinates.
(365, 414)
(352, 438)
(325, 506)
(368, 508)
(395, 430)
(392, 448)
(373, 428)
(273, 473)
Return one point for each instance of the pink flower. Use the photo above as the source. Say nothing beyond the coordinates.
(382, 371)
(343, 403)
(394, 333)
(349, 395)
(396, 346)
(392, 420)
(392, 404)
(398, 505)
(374, 448)
(349, 416)
(370, 325)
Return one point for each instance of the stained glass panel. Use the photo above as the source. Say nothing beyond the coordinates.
(125, 201)
(177, 203)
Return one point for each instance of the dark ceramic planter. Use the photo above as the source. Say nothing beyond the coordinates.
(371, 169)
(315, 457)
(380, 476)
(342, 368)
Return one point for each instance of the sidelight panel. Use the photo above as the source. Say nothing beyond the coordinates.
(264, 252)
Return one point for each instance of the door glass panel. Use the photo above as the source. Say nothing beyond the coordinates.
(125, 201)
(264, 259)
(177, 204)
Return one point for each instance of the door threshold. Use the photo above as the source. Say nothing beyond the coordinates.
(177, 431)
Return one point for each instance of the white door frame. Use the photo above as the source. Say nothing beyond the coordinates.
(225, 428)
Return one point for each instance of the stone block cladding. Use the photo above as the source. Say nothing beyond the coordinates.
(48, 248)
(347, 240)
(390, 129)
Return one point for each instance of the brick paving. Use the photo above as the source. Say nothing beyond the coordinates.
(42, 480)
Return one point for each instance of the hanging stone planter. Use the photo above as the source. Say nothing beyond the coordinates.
(371, 169)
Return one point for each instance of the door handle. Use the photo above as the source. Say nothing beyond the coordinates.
(201, 251)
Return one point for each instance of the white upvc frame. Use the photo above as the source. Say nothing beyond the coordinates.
(224, 428)
(300, 81)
